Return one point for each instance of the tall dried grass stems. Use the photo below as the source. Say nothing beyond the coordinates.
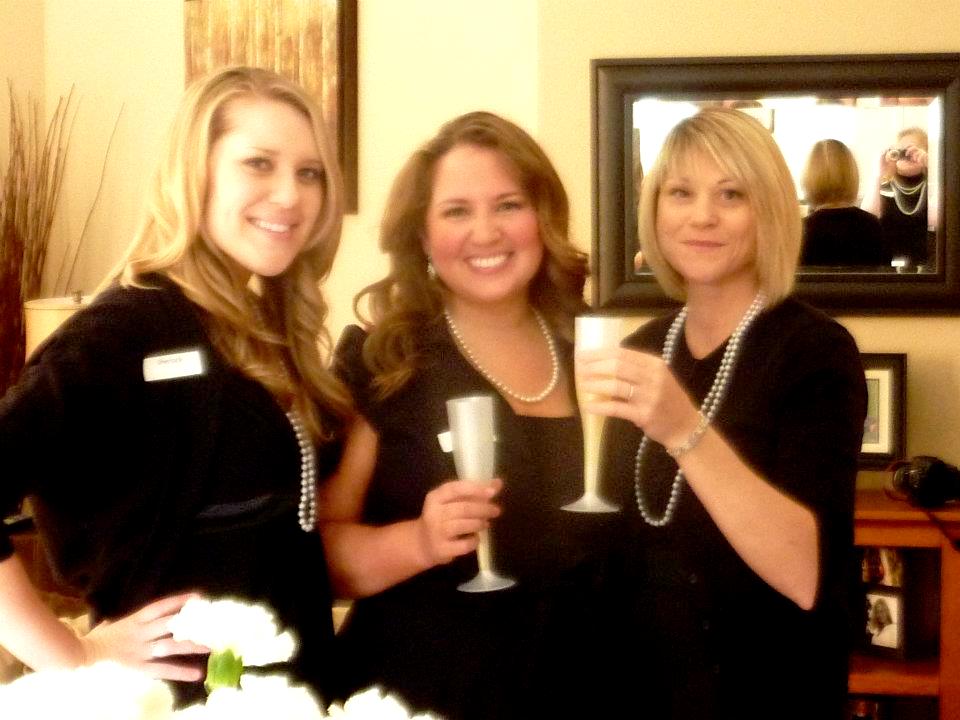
(31, 187)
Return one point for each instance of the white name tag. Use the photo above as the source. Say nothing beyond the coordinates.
(170, 366)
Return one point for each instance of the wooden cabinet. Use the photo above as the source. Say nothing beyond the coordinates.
(882, 521)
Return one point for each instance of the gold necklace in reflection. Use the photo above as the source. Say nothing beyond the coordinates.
(551, 346)
(901, 191)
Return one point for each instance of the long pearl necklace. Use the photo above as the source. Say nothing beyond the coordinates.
(900, 192)
(707, 410)
(307, 512)
(551, 346)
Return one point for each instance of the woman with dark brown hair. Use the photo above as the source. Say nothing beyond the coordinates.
(480, 299)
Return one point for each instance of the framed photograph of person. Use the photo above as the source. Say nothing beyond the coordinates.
(884, 628)
(901, 597)
(884, 427)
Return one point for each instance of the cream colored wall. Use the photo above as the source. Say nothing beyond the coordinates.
(424, 61)
(21, 58)
(571, 32)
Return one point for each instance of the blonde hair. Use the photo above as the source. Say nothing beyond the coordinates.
(919, 132)
(745, 150)
(408, 300)
(275, 336)
(831, 174)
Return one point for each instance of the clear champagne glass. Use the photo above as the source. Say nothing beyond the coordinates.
(591, 333)
(473, 436)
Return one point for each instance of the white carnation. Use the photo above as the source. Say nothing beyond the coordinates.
(249, 630)
(373, 704)
(257, 698)
(103, 691)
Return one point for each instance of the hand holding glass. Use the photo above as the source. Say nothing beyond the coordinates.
(473, 437)
(592, 332)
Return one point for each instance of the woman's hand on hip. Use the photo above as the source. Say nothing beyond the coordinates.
(142, 641)
(453, 514)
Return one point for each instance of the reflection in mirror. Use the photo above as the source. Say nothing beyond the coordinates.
(902, 192)
(861, 102)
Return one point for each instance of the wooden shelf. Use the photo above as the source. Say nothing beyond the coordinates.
(883, 521)
(876, 676)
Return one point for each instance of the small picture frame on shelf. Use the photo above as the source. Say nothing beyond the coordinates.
(901, 600)
(883, 428)
(884, 626)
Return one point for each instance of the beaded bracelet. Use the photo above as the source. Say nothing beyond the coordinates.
(691, 442)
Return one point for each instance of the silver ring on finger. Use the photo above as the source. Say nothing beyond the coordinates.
(630, 394)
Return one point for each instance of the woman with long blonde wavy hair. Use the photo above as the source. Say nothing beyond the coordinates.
(187, 413)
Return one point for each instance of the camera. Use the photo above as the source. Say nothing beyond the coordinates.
(927, 481)
(898, 154)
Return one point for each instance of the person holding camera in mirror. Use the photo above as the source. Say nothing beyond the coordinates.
(901, 200)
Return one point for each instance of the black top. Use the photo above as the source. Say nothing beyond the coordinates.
(707, 635)
(144, 489)
(512, 653)
(845, 236)
(905, 234)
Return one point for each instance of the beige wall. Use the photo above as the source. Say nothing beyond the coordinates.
(21, 58)
(423, 61)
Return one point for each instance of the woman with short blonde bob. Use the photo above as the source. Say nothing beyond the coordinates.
(734, 445)
(836, 232)
(186, 414)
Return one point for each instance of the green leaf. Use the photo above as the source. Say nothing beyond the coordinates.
(223, 670)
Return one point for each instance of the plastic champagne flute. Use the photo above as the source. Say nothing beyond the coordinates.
(473, 437)
(591, 333)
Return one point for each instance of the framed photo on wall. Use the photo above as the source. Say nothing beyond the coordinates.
(884, 427)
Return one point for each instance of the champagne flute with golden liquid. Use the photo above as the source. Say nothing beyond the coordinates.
(592, 332)
(473, 437)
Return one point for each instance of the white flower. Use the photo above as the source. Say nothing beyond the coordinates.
(104, 691)
(372, 704)
(249, 630)
(258, 698)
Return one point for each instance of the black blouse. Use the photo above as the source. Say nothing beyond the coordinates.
(714, 639)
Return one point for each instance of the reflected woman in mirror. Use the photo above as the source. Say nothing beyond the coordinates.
(901, 200)
(171, 433)
(733, 444)
(836, 232)
(483, 287)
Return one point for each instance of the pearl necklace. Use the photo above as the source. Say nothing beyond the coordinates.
(899, 192)
(707, 410)
(551, 346)
(307, 512)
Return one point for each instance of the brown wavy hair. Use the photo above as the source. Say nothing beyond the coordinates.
(273, 328)
(407, 300)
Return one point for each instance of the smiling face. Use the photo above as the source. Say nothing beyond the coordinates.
(706, 226)
(265, 187)
(482, 231)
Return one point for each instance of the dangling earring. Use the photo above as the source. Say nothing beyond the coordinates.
(431, 271)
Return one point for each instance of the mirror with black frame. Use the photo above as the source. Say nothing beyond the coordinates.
(894, 118)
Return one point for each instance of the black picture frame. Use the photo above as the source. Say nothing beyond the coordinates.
(615, 83)
(884, 430)
(884, 629)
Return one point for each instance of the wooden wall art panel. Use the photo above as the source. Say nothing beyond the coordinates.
(311, 41)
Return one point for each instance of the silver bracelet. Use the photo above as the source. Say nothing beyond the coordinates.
(691, 442)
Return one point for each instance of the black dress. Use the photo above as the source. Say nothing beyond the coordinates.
(517, 652)
(905, 233)
(847, 237)
(148, 488)
(707, 635)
